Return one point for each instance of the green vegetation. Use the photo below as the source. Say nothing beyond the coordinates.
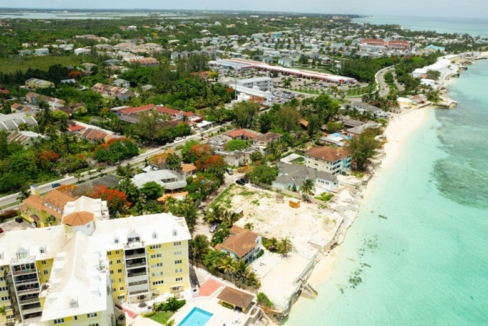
(12, 65)
(363, 147)
(325, 196)
(281, 246)
(263, 174)
(162, 317)
(236, 145)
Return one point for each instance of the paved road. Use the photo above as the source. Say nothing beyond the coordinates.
(85, 176)
(380, 78)
(397, 84)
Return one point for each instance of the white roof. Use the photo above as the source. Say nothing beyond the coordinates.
(77, 286)
(158, 176)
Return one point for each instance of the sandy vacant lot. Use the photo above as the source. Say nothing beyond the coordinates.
(273, 219)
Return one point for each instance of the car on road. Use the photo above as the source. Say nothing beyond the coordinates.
(19, 219)
(214, 227)
(55, 185)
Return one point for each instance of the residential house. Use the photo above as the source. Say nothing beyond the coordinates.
(356, 131)
(243, 134)
(328, 159)
(293, 175)
(10, 122)
(121, 83)
(168, 179)
(41, 51)
(95, 135)
(26, 138)
(362, 107)
(188, 170)
(241, 244)
(113, 91)
(264, 140)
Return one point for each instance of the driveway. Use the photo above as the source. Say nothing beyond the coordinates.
(14, 226)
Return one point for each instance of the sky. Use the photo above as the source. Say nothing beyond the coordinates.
(432, 8)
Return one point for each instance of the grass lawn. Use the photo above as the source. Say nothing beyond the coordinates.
(162, 317)
(298, 161)
(13, 64)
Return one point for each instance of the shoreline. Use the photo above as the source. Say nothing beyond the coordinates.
(397, 133)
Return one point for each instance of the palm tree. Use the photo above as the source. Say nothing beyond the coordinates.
(45, 117)
(199, 246)
(273, 244)
(228, 265)
(307, 188)
(249, 226)
(24, 193)
(170, 322)
(285, 246)
(50, 220)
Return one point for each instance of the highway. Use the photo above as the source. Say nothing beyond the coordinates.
(380, 78)
(10, 199)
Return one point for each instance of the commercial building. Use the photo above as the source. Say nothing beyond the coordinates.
(328, 159)
(291, 175)
(260, 83)
(240, 64)
(399, 45)
(72, 274)
(372, 42)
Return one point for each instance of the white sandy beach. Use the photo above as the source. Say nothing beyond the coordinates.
(397, 132)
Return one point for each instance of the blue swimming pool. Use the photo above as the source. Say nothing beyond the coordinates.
(196, 317)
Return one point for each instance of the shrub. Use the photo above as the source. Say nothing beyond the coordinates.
(8, 214)
(260, 253)
(149, 314)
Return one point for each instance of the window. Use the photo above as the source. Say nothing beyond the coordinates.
(175, 233)
(156, 256)
(46, 272)
(120, 280)
(177, 253)
(155, 235)
(114, 290)
(116, 240)
(157, 265)
(113, 281)
(111, 271)
(119, 271)
(110, 263)
(88, 226)
(3, 288)
(109, 253)
(93, 325)
(157, 274)
(43, 262)
(118, 261)
(92, 315)
(7, 298)
(121, 297)
(177, 243)
(2, 278)
(76, 317)
(42, 251)
(179, 270)
(58, 321)
(177, 262)
(121, 288)
(117, 252)
(179, 279)
(155, 247)
(158, 282)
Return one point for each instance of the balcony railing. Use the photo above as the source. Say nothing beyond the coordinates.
(136, 265)
(138, 292)
(27, 281)
(28, 291)
(137, 283)
(137, 274)
(135, 256)
(28, 301)
(24, 271)
(31, 310)
(24, 260)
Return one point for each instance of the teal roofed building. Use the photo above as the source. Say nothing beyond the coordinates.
(433, 48)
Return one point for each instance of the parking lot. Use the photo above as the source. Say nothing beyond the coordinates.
(14, 226)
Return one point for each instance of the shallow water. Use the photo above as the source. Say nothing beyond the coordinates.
(426, 264)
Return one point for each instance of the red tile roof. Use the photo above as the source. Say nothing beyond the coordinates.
(138, 109)
(240, 133)
(76, 128)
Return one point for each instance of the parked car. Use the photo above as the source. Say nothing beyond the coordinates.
(240, 182)
(19, 219)
(214, 227)
(1, 230)
(229, 171)
(56, 184)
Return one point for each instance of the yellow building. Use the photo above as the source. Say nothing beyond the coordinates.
(38, 83)
(72, 273)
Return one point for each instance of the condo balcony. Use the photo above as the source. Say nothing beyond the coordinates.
(135, 254)
(136, 263)
(23, 269)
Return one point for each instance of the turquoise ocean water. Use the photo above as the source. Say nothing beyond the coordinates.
(427, 263)
(472, 26)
